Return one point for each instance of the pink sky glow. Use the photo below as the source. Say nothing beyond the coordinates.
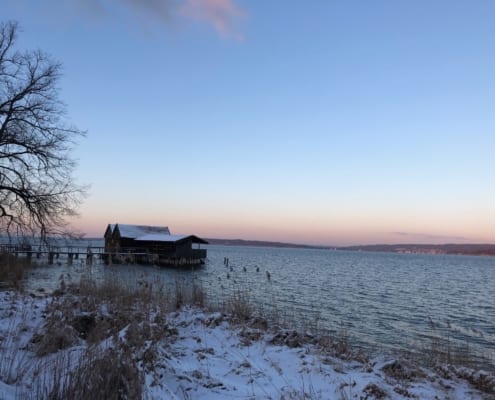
(338, 233)
(221, 14)
(325, 124)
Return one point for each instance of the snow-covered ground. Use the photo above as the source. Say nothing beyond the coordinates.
(195, 354)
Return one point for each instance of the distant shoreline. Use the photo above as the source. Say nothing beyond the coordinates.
(262, 243)
(478, 249)
(470, 249)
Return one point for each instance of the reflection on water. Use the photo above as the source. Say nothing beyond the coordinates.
(385, 301)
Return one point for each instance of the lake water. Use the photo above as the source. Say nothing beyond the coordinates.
(384, 301)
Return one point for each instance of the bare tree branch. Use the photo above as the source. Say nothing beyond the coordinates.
(37, 190)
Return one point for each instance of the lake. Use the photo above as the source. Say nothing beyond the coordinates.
(384, 301)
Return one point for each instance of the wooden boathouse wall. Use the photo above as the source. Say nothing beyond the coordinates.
(90, 255)
(170, 250)
(129, 241)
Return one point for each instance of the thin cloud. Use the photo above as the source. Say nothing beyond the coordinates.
(93, 8)
(223, 15)
(161, 10)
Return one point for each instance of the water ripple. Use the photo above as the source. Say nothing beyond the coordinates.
(383, 300)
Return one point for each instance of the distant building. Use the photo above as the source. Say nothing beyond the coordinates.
(152, 243)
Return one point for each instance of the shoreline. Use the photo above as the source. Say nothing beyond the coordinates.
(178, 347)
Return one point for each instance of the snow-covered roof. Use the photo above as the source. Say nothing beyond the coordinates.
(157, 237)
(110, 229)
(151, 233)
(134, 231)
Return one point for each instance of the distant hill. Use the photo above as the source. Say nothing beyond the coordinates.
(483, 249)
(467, 249)
(261, 243)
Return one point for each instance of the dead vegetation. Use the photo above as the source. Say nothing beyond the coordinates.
(402, 370)
(95, 374)
(239, 306)
(481, 380)
(118, 327)
(93, 312)
(188, 294)
(12, 270)
(373, 391)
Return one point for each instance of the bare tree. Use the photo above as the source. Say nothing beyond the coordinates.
(37, 189)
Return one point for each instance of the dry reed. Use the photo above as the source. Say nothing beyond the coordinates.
(134, 317)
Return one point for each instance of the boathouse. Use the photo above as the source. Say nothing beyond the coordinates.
(152, 243)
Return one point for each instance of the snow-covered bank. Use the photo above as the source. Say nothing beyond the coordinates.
(194, 354)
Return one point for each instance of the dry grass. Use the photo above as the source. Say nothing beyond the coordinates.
(403, 370)
(187, 293)
(93, 312)
(481, 380)
(12, 270)
(13, 362)
(239, 306)
(118, 326)
(133, 318)
(437, 347)
(95, 374)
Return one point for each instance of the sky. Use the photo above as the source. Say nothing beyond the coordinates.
(323, 122)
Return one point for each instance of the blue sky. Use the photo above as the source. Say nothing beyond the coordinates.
(326, 122)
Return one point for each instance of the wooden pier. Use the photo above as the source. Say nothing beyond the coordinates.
(91, 254)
